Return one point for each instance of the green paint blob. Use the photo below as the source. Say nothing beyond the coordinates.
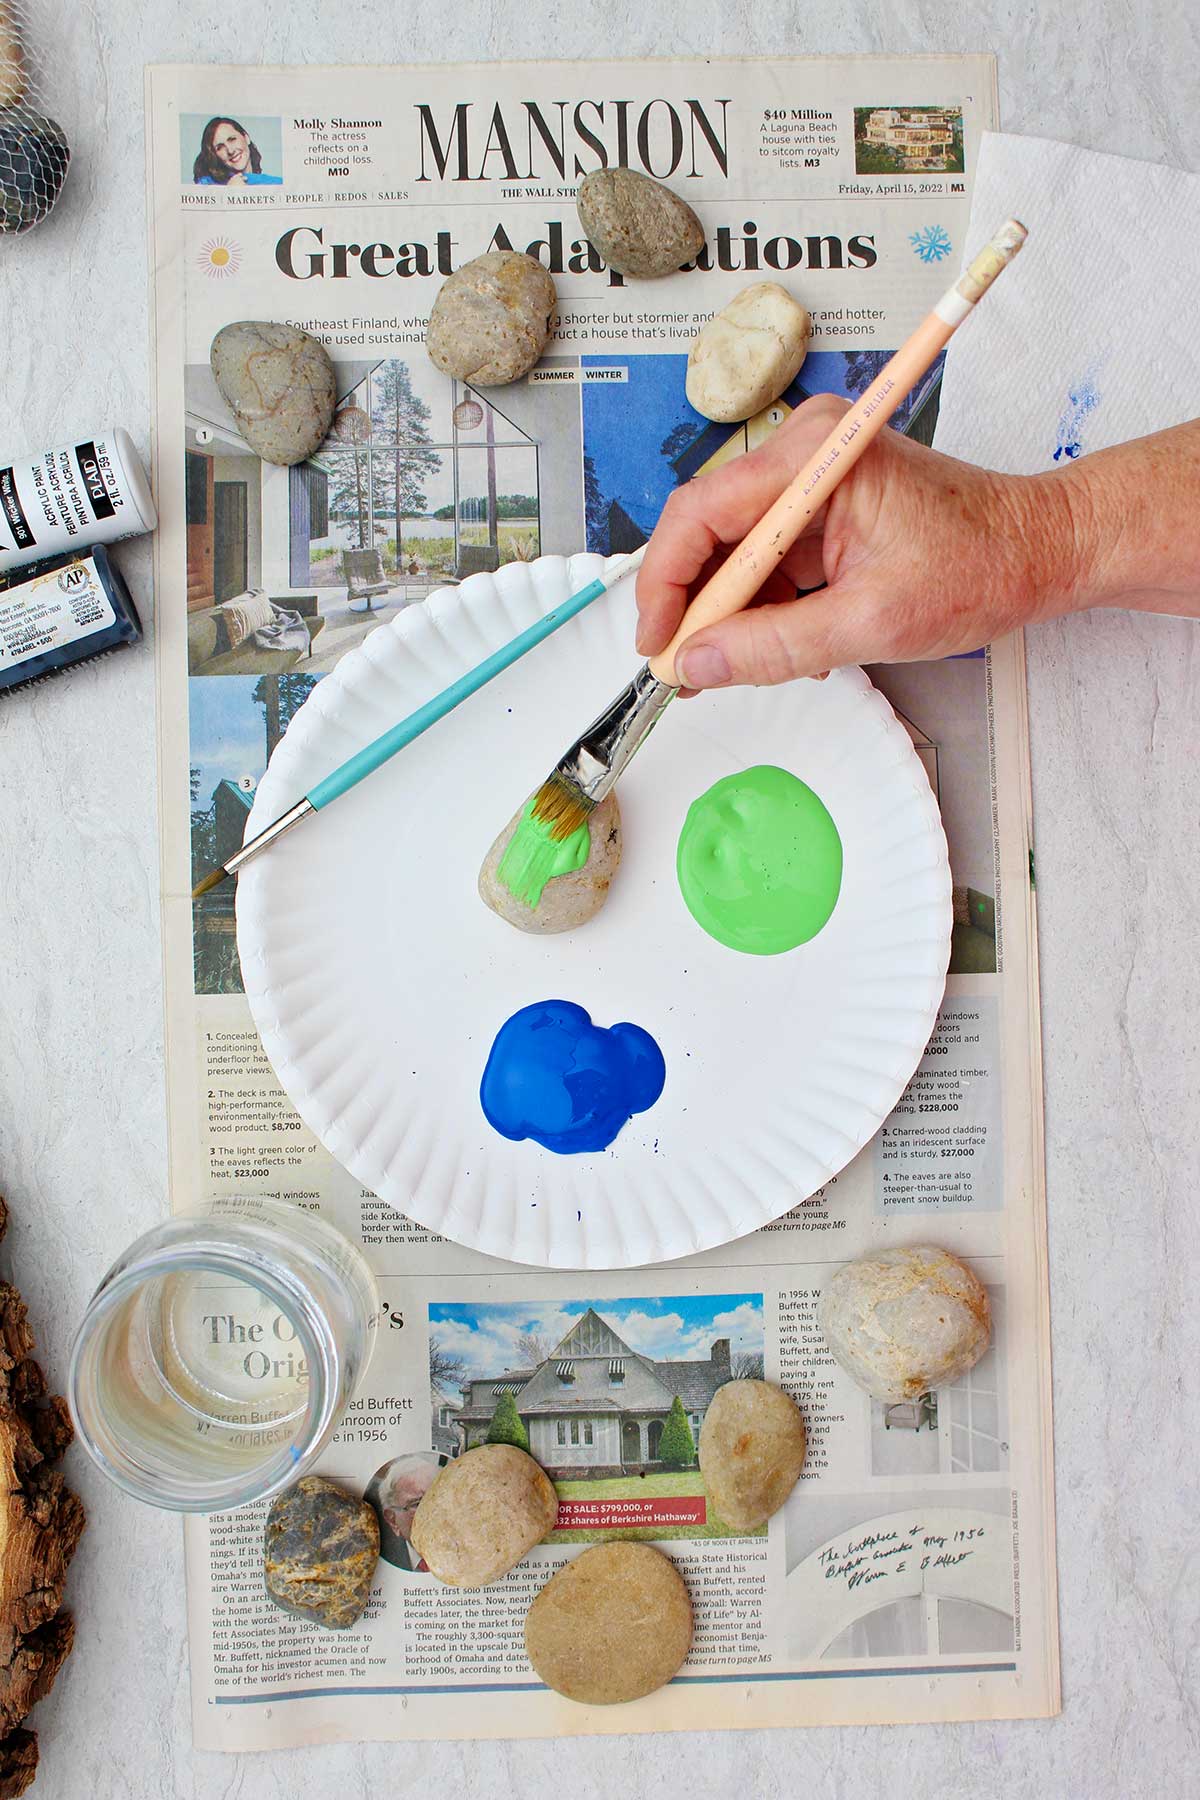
(760, 862)
(534, 857)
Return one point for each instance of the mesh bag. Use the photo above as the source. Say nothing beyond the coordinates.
(33, 150)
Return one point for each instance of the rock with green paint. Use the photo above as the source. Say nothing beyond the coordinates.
(568, 900)
(320, 1549)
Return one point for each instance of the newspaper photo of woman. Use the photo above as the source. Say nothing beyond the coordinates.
(395, 1491)
(228, 157)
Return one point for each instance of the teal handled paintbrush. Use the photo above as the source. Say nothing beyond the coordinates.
(357, 768)
(552, 833)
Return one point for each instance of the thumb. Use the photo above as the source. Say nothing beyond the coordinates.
(769, 644)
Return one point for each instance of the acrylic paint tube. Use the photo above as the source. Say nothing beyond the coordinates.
(89, 492)
(64, 610)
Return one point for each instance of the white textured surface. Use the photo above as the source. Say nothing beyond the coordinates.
(1115, 703)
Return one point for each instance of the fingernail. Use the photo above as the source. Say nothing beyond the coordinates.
(704, 667)
(640, 644)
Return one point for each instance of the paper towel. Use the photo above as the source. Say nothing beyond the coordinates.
(1093, 335)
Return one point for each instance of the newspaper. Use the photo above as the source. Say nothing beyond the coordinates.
(910, 1576)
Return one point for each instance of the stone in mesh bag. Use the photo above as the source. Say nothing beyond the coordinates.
(33, 149)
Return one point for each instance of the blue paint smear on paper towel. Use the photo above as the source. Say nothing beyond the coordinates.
(569, 1085)
(1082, 400)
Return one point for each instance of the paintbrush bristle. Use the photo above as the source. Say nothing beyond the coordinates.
(561, 806)
(213, 879)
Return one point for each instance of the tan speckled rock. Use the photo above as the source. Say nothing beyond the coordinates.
(613, 1625)
(568, 900)
(751, 1451)
(482, 1513)
(904, 1322)
(492, 318)
(748, 353)
(320, 1548)
(639, 226)
(279, 384)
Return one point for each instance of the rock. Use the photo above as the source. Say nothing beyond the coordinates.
(34, 158)
(320, 1549)
(567, 900)
(904, 1322)
(745, 356)
(482, 1513)
(639, 226)
(492, 318)
(613, 1625)
(751, 1451)
(279, 385)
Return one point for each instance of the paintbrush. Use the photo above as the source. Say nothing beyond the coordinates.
(356, 768)
(589, 771)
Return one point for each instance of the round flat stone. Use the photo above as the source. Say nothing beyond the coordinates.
(613, 1625)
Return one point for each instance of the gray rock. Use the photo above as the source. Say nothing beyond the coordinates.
(492, 319)
(745, 356)
(320, 1549)
(279, 384)
(639, 226)
(567, 901)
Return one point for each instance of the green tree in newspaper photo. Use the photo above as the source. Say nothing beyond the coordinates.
(506, 1426)
(595, 508)
(678, 1447)
(400, 419)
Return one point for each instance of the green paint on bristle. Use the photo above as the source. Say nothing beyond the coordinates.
(535, 857)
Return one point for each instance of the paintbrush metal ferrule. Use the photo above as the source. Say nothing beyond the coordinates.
(593, 765)
(262, 841)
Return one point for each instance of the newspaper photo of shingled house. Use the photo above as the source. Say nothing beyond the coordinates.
(597, 1408)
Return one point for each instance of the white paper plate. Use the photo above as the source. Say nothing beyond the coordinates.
(378, 979)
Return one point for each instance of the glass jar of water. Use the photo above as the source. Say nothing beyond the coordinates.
(218, 1354)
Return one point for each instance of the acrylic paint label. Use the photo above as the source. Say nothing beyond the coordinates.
(82, 493)
(53, 609)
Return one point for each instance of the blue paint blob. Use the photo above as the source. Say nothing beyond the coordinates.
(569, 1085)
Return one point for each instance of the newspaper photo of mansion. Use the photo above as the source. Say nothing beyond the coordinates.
(595, 1407)
(918, 137)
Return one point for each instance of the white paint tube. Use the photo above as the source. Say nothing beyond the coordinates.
(88, 492)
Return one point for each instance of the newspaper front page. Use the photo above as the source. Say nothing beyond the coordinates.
(910, 1576)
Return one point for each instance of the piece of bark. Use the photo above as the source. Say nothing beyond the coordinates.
(40, 1524)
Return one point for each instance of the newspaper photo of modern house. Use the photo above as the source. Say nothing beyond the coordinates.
(891, 140)
(421, 482)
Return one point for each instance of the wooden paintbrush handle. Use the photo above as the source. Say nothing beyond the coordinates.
(740, 577)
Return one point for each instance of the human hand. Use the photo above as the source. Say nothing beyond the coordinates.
(922, 556)
(236, 181)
